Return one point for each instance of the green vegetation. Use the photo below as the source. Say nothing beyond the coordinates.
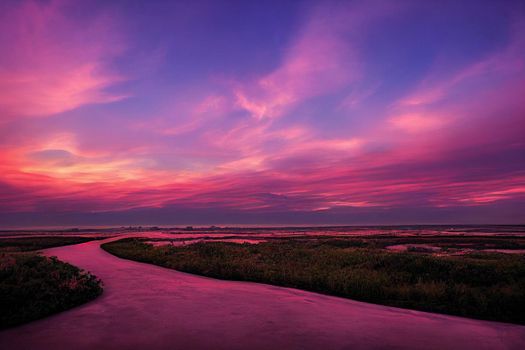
(26, 244)
(34, 286)
(480, 285)
(451, 241)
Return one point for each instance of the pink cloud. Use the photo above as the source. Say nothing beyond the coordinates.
(505, 64)
(320, 60)
(414, 123)
(52, 63)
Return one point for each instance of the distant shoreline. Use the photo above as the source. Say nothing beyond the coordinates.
(246, 226)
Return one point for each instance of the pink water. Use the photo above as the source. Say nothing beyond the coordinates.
(405, 247)
(193, 241)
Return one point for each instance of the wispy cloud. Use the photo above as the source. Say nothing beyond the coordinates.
(320, 59)
(52, 62)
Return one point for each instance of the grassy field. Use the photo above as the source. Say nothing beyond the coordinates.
(478, 285)
(34, 286)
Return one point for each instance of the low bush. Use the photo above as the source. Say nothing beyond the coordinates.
(33, 286)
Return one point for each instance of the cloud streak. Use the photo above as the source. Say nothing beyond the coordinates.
(52, 63)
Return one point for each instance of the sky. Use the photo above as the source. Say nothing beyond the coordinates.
(262, 112)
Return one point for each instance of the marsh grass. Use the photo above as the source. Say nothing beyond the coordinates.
(34, 286)
(484, 286)
(26, 244)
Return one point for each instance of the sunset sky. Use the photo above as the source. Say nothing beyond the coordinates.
(261, 112)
